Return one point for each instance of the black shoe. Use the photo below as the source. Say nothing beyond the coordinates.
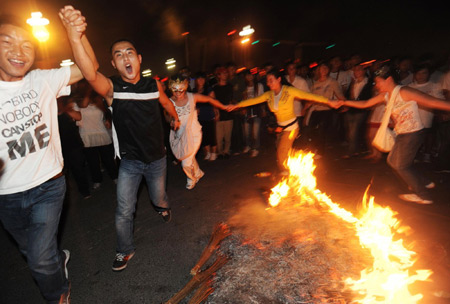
(121, 260)
(166, 215)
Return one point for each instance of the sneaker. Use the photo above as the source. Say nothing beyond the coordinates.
(121, 260)
(65, 297)
(254, 153)
(246, 149)
(207, 156)
(96, 186)
(213, 157)
(430, 185)
(411, 197)
(66, 260)
(166, 215)
(190, 184)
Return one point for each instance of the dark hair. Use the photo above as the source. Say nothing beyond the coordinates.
(385, 71)
(200, 74)
(277, 73)
(178, 76)
(122, 40)
(420, 67)
(16, 21)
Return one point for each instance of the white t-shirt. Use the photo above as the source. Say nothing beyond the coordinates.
(30, 146)
(432, 89)
(300, 84)
(405, 115)
(92, 128)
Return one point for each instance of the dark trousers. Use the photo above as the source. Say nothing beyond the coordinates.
(105, 155)
(74, 162)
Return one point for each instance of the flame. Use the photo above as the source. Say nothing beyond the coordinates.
(387, 280)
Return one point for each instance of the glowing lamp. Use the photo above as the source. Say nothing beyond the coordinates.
(246, 31)
(38, 24)
(66, 62)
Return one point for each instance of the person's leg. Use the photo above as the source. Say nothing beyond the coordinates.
(129, 179)
(75, 160)
(107, 156)
(401, 159)
(351, 124)
(220, 133)
(32, 218)
(247, 133)
(155, 175)
(93, 160)
(228, 131)
(256, 133)
(284, 144)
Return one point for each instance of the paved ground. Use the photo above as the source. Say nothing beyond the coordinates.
(166, 252)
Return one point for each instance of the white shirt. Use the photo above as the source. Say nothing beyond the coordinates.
(432, 89)
(29, 135)
(300, 84)
(92, 127)
(405, 115)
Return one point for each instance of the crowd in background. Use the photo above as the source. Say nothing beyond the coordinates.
(227, 134)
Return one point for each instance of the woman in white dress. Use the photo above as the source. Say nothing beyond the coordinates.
(186, 141)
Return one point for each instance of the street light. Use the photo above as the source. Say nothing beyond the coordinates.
(170, 63)
(246, 32)
(66, 62)
(147, 73)
(38, 24)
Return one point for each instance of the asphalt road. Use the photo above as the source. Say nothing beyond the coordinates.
(167, 251)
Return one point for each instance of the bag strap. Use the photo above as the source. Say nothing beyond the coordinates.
(389, 106)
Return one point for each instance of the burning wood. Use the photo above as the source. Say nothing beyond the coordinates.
(221, 231)
(197, 280)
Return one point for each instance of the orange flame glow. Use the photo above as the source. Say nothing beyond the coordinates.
(387, 280)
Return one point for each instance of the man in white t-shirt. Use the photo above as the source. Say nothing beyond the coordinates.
(297, 82)
(32, 186)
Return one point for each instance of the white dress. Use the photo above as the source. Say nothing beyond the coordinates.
(186, 141)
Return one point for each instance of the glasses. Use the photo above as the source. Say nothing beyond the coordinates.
(178, 90)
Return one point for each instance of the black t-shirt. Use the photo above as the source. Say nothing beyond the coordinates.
(137, 119)
(224, 94)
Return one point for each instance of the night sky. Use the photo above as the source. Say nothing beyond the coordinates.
(373, 29)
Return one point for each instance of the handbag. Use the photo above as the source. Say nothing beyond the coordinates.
(384, 139)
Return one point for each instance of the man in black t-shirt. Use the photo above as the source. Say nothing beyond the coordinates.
(223, 91)
(137, 131)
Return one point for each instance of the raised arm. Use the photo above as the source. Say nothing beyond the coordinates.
(423, 99)
(83, 53)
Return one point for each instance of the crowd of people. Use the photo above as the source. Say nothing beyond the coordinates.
(130, 125)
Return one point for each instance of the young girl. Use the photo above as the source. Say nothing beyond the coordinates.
(186, 141)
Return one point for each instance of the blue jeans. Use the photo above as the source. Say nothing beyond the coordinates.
(32, 218)
(401, 159)
(130, 177)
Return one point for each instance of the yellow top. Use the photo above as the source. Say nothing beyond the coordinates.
(285, 109)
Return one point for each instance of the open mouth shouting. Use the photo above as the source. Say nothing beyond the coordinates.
(129, 68)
